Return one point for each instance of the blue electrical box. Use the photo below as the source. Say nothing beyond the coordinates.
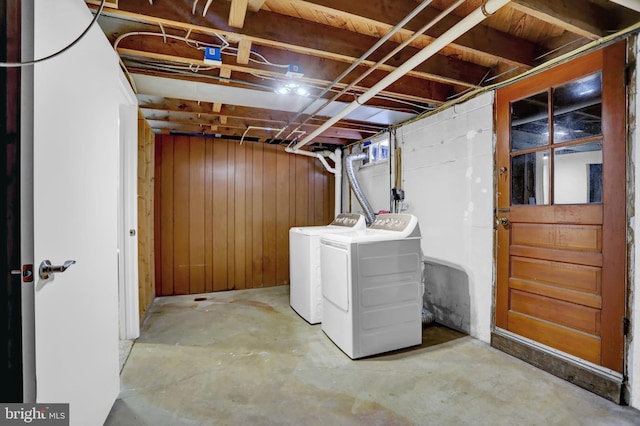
(212, 56)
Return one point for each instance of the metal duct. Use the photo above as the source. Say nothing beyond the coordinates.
(355, 186)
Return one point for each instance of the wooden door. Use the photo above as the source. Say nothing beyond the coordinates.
(561, 214)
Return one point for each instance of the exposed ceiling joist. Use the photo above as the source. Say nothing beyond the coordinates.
(261, 40)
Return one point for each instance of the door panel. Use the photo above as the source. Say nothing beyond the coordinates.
(76, 136)
(564, 237)
(561, 238)
(572, 276)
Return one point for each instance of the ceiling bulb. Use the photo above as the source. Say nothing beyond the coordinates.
(292, 87)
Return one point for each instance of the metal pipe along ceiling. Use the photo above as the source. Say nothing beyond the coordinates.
(470, 21)
(362, 58)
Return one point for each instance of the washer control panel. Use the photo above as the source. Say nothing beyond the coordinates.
(392, 222)
(348, 220)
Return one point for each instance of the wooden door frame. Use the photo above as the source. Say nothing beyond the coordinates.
(604, 381)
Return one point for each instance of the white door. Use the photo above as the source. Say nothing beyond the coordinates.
(76, 106)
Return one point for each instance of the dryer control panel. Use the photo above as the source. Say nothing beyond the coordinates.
(394, 222)
(347, 219)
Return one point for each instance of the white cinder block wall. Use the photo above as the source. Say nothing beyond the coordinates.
(447, 175)
(374, 179)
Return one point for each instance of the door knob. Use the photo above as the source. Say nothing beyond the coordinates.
(47, 269)
(502, 221)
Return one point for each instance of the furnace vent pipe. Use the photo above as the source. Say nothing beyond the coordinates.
(355, 186)
(470, 21)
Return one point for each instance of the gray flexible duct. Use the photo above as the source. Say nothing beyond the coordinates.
(355, 186)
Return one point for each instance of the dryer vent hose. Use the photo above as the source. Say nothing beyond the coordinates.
(428, 317)
(355, 186)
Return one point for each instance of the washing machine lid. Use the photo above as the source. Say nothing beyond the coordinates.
(344, 222)
(385, 227)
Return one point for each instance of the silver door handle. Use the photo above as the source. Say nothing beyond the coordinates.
(46, 268)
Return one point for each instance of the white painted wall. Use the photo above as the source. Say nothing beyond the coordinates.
(447, 170)
(447, 162)
(374, 180)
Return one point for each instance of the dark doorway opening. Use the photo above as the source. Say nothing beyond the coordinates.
(10, 297)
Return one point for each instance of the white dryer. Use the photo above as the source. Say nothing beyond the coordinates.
(372, 287)
(305, 296)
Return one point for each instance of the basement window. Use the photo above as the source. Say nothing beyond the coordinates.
(378, 150)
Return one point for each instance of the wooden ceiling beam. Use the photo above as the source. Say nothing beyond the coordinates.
(272, 117)
(295, 35)
(244, 51)
(237, 13)
(220, 132)
(408, 89)
(480, 40)
(239, 123)
(576, 16)
(255, 5)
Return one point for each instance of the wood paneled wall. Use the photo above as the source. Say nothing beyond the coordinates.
(146, 272)
(224, 210)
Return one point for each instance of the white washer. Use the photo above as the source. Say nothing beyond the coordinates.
(305, 296)
(372, 288)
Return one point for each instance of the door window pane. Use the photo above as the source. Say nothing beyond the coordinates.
(578, 174)
(530, 122)
(577, 109)
(530, 178)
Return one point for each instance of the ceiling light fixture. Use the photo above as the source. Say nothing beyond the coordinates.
(292, 88)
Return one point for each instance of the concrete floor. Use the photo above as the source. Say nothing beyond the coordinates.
(245, 357)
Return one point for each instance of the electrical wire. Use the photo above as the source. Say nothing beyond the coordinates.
(59, 52)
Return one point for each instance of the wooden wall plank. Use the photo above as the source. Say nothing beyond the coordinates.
(181, 177)
(269, 217)
(220, 199)
(166, 216)
(258, 218)
(282, 217)
(320, 197)
(239, 215)
(228, 209)
(302, 191)
(231, 199)
(196, 215)
(293, 159)
(248, 236)
(208, 216)
(157, 228)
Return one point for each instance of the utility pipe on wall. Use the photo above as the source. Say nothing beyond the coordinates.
(470, 21)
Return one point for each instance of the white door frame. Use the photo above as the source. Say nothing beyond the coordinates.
(128, 291)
